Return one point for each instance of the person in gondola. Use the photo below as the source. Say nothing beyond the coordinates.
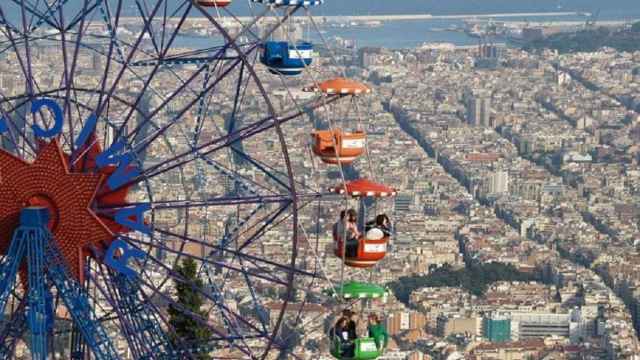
(381, 223)
(352, 325)
(352, 234)
(378, 332)
(341, 332)
(338, 227)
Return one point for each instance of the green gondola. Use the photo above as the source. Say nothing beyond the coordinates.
(364, 348)
(358, 290)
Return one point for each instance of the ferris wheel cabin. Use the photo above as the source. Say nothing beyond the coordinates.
(372, 244)
(340, 86)
(338, 147)
(283, 58)
(365, 348)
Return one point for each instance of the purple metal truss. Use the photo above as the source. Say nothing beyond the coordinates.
(154, 21)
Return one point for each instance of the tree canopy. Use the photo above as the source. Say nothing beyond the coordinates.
(474, 278)
(590, 40)
(183, 318)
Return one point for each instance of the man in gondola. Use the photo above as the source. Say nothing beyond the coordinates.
(351, 323)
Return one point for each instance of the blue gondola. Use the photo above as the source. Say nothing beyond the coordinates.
(283, 58)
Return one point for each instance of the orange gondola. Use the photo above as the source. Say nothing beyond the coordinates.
(372, 246)
(214, 3)
(340, 86)
(338, 147)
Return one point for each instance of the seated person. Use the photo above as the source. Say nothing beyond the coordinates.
(378, 332)
(382, 224)
(338, 227)
(341, 332)
(352, 233)
(351, 323)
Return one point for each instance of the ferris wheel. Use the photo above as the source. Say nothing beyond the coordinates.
(149, 207)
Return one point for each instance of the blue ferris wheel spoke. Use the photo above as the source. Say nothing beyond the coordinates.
(222, 249)
(148, 24)
(110, 58)
(39, 299)
(266, 224)
(48, 17)
(244, 183)
(126, 62)
(146, 324)
(12, 331)
(183, 86)
(217, 201)
(177, 277)
(78, 345)
(186, 108)
(224, 141)
(256, 305)
(88, 7)
(182, 61)
(143, 9)
(27, 48)
(136, 344)
(77, 303)
(106, 17)
(198, 318)
(169, 250)
(33, 240)
(150, 77)
(9, 269)
(202, 105)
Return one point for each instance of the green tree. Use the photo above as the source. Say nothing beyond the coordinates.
(183, 318)
(473, 278)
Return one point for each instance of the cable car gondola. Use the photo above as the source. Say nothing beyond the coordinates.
(284, 58)
(336, 145)
(372, 244)
(364, 348)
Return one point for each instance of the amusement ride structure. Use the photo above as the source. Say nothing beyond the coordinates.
(129, 143)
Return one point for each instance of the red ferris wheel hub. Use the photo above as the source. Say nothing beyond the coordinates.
(69, 196)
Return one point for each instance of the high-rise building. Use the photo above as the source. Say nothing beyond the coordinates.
(499, 182)
(496, 328)
(539, 325)
(367, 56)
(479, 110)
(489, 56)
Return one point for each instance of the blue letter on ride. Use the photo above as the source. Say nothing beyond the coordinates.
(58, 119)
(120, 261)
(132, 218)
(124, 172)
